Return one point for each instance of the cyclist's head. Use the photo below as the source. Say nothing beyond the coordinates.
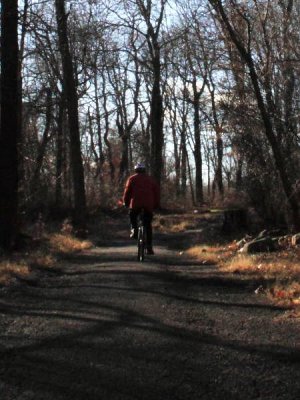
(140, 167)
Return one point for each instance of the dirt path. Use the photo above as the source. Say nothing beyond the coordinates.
(109, 328)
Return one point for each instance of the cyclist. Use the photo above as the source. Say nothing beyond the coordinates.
(141, 192)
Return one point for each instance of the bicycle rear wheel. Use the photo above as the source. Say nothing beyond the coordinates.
(141, 243)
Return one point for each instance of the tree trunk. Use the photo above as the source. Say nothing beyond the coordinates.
(101, 158)
(106, 133)
(10, 123)
(156, 123)
(59, 154)
(219, 176)
(176, 157)
(191, 183)
(218, 179)
(184, 155)
(72, 107)
(43, 145)
(197, 152)
(184, 159)
(239, 174)
(156, 105)
(23, 19)
(146, 138)
(124, 162)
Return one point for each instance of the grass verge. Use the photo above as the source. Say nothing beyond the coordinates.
(39, 255)
(175, 223)
(281, 268)
(11, 270)
(66, 243)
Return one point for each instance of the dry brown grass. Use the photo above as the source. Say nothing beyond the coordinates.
(239, 264)
(288, 293)
(176, 223)
(42, 259)
(63, 243)
(180, 227)
(209, 254)
(11, 269)
(23, 265)
(279, 265)
(282, 268)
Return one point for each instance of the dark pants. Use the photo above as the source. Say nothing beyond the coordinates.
(148, 217)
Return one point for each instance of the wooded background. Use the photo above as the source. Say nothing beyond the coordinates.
(205, 92)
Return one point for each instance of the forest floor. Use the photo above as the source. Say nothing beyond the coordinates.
(100, 325)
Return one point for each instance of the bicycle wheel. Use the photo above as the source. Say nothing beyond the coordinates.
(141, 243)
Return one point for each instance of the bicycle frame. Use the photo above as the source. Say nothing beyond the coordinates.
(141, 241)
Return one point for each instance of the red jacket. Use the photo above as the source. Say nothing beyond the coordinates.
(141, 191)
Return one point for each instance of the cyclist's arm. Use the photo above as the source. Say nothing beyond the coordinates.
(127, 193)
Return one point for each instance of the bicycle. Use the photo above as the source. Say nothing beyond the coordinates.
(141, 237)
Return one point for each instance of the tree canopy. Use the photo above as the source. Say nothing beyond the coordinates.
(206, 93)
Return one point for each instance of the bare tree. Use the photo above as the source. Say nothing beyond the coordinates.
(124, 77)
(72, 107)
(153, 25)
(268, 117)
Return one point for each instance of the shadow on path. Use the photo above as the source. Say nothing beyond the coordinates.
(110, 328)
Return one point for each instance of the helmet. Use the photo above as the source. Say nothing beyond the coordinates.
(140, 167)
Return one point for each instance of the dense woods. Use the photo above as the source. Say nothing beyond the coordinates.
(205, 92)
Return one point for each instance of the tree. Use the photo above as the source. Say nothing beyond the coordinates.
(10, 124)
(265, 103)
(124, 77)
(73, 119)
(156, 107)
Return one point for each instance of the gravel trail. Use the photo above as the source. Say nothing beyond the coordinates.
(107, 327)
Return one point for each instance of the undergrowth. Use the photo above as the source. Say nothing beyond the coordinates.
(39, 254)
(279, 271)
(66, 243)
(282, 268)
